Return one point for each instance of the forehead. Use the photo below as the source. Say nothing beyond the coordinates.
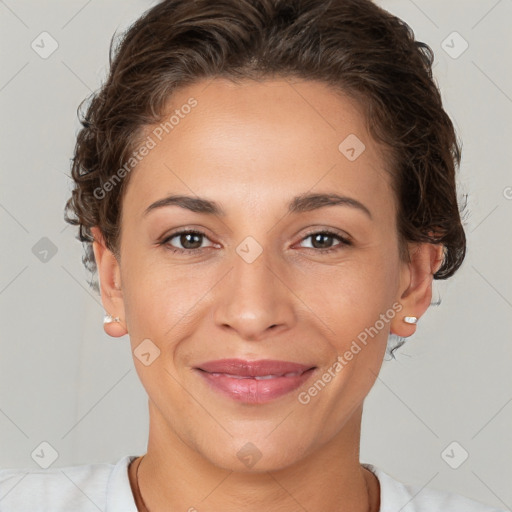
(259, 141)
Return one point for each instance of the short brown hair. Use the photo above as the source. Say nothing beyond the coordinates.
(354, 46)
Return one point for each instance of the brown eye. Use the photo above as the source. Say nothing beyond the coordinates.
(189, 240)
(322, 241)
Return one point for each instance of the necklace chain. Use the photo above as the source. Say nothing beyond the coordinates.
(145, 508)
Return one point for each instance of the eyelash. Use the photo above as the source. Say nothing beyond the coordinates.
(174, 250)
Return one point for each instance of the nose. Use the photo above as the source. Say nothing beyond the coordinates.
(255, 301)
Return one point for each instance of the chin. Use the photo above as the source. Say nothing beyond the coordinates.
(241, 455)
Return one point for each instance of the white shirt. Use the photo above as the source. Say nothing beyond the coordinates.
(106, 488)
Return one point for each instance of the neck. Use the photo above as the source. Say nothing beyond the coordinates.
(175, 477)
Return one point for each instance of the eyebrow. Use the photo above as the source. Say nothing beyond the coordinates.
(299, 204)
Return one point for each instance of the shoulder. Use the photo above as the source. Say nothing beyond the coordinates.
(396, 495)
(79, 488)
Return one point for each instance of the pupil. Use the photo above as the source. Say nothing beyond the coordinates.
(321, 235)
(187, 239)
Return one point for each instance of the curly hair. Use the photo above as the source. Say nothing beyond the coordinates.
(354, 46)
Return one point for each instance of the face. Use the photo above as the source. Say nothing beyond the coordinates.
(309, 286)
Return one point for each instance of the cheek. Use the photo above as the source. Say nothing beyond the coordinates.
(350, 297)
(343, 298)
(160, 299)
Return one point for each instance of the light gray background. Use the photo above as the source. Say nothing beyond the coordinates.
(64, 381)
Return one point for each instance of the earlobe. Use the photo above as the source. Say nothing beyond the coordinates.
(110, 286)
(114, 327)
(416, 295)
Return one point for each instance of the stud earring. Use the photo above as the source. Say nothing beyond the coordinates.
(107, 319)
(410, 319)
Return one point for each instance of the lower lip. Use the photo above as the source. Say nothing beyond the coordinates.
(252, 390)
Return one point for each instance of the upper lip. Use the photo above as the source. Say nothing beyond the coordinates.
(258, 368)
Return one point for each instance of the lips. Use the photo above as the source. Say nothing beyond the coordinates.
(254, 381)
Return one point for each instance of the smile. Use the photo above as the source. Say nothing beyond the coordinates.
(254, 382)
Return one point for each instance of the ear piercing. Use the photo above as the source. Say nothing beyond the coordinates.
(107, 319)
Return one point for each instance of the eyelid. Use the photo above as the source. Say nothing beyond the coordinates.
(345, 237)
(182, 231)
(344, 240)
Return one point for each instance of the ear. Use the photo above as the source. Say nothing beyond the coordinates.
(110, 284)
(415, 293)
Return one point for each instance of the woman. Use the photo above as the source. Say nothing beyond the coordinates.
(267, 190)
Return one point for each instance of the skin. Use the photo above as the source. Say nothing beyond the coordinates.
(251, 147)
